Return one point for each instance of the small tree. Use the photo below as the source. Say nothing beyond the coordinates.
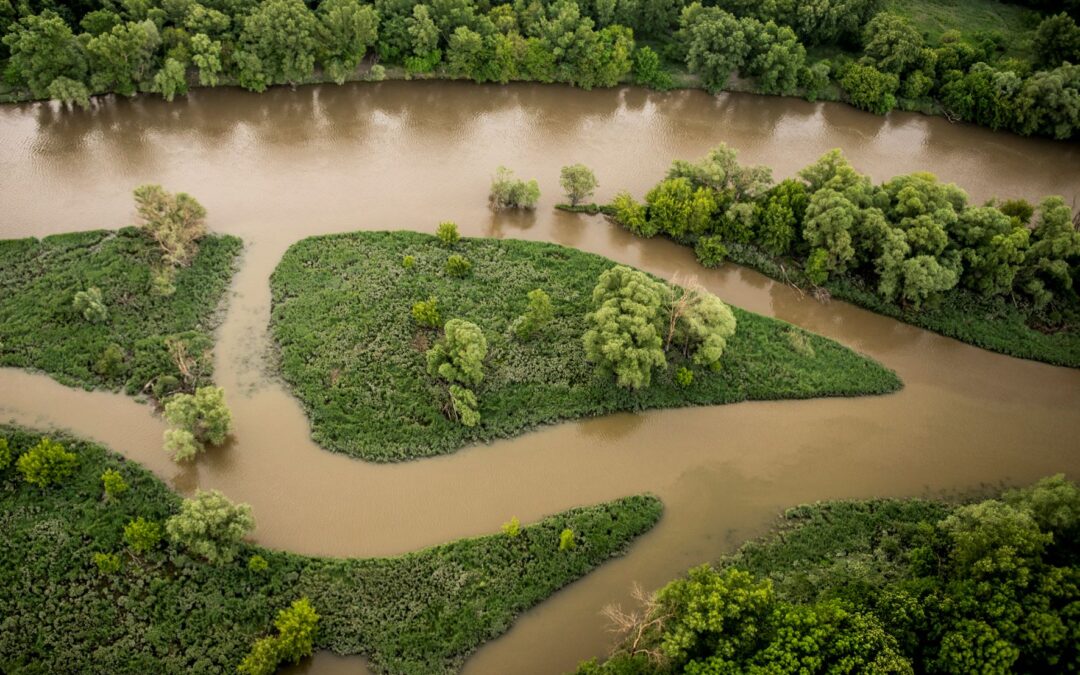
(46, 463)
(175, 221)
(114, 483)
(142, 535)
(296, 630)
(465, 405)
(197, 420)
(211, 526)
(458, 266)
(701, 324)
(512, 527)
(536, 315)
(623, 338)
(426, 312)
(632, 215)
(510, 193)
(459, 355)
(90, 305)
(448, 233)
(263, 659)
(710, 251)
(578, 181)
(408, 262)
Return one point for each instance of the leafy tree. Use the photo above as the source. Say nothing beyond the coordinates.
(781, 217)
(278, 44)
(701, 325)
(42, 49)
(111, 362)
(204, 414)
(739, 222)
(1049, 103)
(69, 92)
(211, 526)
(721, 172)
(209, 20)
(870, 89)
(776, 59)
(122, 59)
(90, 305)
(426, 312)
(47, 463)
(171, 80)
(717, 43)
(710, 251)
(508, 192)
(142, 535)
(459, 355)
(892, 43)
(826, 22)
(829, 229)
(684, 377)
(206, 55)
(1052, 260)
(263, 659)
(993, 248)
(349, 28)
(1020, 209)
(1057, 40)
(458, 266)
(538, 313)
(623, 338)
(679, 210)
(424, 40)
(465, 406)
(648, 71)
(175, 221)
(814, 80)
(295, 640)
(182, 445)
(447, 233)
(99, 21)
(578, 181)
(632, 215)
(984, 95)
(113, 482)
(466, 54)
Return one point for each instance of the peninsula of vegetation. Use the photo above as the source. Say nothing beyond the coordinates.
(1003, 276)
(129, 310)
(997, 64)
(403, 345)
(882, 586)
(104, 569)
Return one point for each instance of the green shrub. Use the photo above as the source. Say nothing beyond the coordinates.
(142, 535)
(182, 445)
(296, 630)
(377, 73)
(114, 483)
(800, 342)
(5, 454)
(263, 659)
(648, 72)
(632, 215)
(46, 463)
(465, 405)
(566, 540)
(710, 251)
(448, 233)
(111, 362)
(107, 563)
(458, 266)
(512, 527)
(257, 563)
(175, 221)
(426, 312)
(536, 315)
(459, 355)
(684, 377)
(211, 526)
(89, 304)
(408, 262)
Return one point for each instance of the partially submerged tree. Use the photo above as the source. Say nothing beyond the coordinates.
(175, 221)
(196, 420)
(578, 181)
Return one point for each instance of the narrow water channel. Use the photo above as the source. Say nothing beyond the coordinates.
(288, 164)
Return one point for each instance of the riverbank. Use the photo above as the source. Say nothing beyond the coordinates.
(168, 610)
(354, 355)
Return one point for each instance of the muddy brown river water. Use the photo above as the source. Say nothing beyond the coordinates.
(277, 167)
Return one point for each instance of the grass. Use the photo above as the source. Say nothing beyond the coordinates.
(41, 330)
(934, 17)
(353, 355)
(423, 612)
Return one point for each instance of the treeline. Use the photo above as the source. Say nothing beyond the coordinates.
(878, 587)
(69, 51)
(907, 245)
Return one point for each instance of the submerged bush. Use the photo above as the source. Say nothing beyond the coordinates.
(176, 222)
(578, 181)
(510, 193)
(46, 463)
(197, 421)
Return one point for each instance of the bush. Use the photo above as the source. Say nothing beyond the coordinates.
(459, 355)
(426, 312)
(89, 304)
(578, 181)
(703, 324)
(182, 445)
(512, 527)
(211, 526)
(46, 463)
(536, 315)
(458, 266)
(377, 73)
(114, 483)
(296, 630)
(263, 659)
(107, 563)
(142, 535)
(566, 540)
(510, 193)
(408, 262)
(111, 362)
(870, 89)
(5, 454)
(710, 251)
(448, 233)
(648, 72)
(684, 377)
(257, 563)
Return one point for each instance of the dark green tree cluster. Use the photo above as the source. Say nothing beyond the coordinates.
(878, 587)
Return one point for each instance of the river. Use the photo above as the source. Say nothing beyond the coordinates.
(277, 167)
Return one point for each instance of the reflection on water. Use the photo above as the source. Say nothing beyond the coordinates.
(277, 167)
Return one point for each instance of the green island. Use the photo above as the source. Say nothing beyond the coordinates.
(89, 581)
(1003, 275)
(97, 309)
(879, 586)
(353, 350)
(1004, 65)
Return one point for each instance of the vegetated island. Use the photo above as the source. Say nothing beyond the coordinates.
(1003, 276)
(880, 586)
(132, 309)
(364, 322)
(104, 569)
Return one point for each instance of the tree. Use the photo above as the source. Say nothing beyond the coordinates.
(892, 43)
(578, 181)
(206, 55)
(993, 248)
(424, 40)
(349, 29)
(90, 305)
(122, 59)
(1049, 103)
(720, 171)
(536, 315)
(171, 80)
(828, 228)
(710, 251)
(175, 221)
(632, 215)
(623, 338)
(211, 526)
(1057, 40)
(647, 70)
(47, 463)
(464, 404)
(508, 192)
(113, 482)
(678, 209)
(701, 325)
(69, 91)
(458, 266)
(776, 59)
(466, 54)
(296, 630)
(1052, 260)
(278, 44)
(870, 89)
(43, 48)
(447, 232)
(459, 355)
(717, 43)
(142, 535)
(197, 420)
(780, 223)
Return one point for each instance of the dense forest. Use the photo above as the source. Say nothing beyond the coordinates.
(1018, 75)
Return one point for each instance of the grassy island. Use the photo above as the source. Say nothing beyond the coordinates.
(83, 307)
(159, 608)
(355, 356)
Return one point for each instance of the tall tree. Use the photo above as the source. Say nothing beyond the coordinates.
(278, 44)
(349, 29)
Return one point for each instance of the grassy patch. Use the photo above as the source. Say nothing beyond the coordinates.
(164, 612)
(355, 358)
(934, 17)
(40, 329)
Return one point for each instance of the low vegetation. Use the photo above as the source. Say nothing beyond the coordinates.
(508, 192)
(355, 345)
(89, 584)
(129, 310)
(884, 586)
(1002, 276)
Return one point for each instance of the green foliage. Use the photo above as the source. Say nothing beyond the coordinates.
(408, 262)
(701, 325)
(464, 404)
(537, 314)
(1057, 40)
(717, 43)
(648, 72)
(196, 420)
(678, 209)
(5, 454)
(892, 43)
(211, 526)
(578, 181)
(684, 377)
(111, 362)
(257, 563)
(89, 304)
(426, 312)
(510, 193)
(512, 527)
(263, 659)
(776, 59)
(349, 29)
(43, 49)
(459, 355)
(710, 251)
(123, 58)
(566, 540)
(526, 382)
(632, 215)
(107, 563)
(870, 89)
(171, 79)
(623, 338)
(448, 233)
(458, 266)
(295, 639)
(46, 463)
(142, 535)
(113, 482)
(69, 92)
(278, 44)
(206, 55)
(175, 221)
(782, 216)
